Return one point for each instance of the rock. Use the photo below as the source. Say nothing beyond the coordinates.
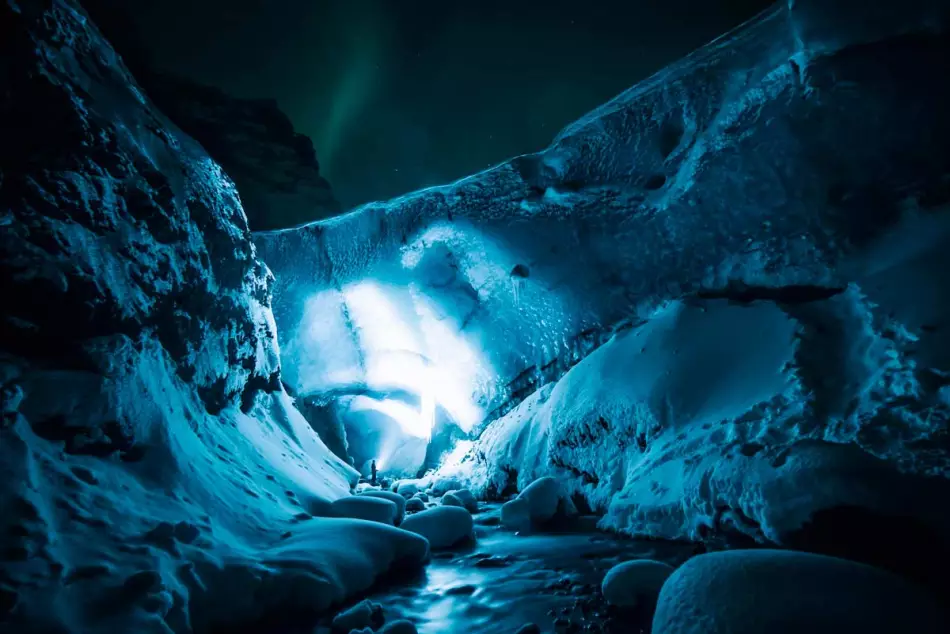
(443, 526)
(395, 498)
(529, 628)
(415, 504)
(534, 506)
(422, 496)
(630, 582)
(466, 498)
(399, 627)
(441, 486)
(274, 168)
(516, 514)
(450, 499)
(362, 615)
(786, 592)
(365, 507)
(406, 488)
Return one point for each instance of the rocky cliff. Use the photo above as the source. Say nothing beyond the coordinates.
(275, 168)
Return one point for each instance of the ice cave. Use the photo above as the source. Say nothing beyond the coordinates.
(685, 370)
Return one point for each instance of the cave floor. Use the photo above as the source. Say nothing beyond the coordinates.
(506, 580)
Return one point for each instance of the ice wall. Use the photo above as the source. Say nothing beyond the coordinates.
(766, 159)
(801, 161)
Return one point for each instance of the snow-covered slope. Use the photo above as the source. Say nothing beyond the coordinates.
(154, 476)
(800, 165)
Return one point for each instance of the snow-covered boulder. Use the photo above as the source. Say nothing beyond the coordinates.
(629, 583)
(536, 505)
(365, 614)
(365, 507)
(464, 498)
(786, 592)
(441, 486)
(415, 504)
(321, 563)
(395, 498)
(443, 526)
(422, 496)
(450, 499)
(406, 488)
(399, 627)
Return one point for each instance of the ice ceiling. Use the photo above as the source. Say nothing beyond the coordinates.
(393, 339)
(427, 334)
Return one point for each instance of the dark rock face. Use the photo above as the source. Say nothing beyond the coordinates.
(117, 230)
(275, 169)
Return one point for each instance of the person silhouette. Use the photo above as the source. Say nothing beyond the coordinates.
(373, 469)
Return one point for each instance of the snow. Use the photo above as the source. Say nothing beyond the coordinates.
(395, 498)
(399, 627)
(629, 583)
(746, 592)
(155, 477)
(374, 509)
(700, 420)
(536, 505)
(465, 499)
(210, 548)
(676, 312)
(364, 614)
(406, 488)
(450, 499)
(443, 526)
(727, 297)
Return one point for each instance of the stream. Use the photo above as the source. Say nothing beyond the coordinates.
(506, 580)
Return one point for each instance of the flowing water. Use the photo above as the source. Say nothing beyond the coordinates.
(506, 580)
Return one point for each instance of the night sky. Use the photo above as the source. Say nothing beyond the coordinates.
(401, 94)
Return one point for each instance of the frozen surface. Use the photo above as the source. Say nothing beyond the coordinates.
(749, 592)
(716, 305)
(703, 420)
(154, 475)
(444, 526)
(632, 582)
(756, 161)
(750, 240)
(536, 505)
(395, 498)
(364, 507)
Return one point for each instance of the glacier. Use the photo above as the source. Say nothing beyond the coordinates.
(712, 310)
(708, 296)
